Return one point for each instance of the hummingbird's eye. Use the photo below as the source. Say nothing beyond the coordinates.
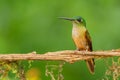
(80, 20)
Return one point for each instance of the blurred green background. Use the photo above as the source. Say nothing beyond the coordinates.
(32, 25)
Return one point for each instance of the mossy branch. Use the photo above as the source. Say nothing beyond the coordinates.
(70, 56)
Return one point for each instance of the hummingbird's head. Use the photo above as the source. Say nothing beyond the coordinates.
(76, 20)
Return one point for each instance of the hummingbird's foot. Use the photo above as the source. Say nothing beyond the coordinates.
(83, 52)
(76, 51)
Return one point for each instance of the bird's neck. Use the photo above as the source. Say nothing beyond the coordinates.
(79, 26)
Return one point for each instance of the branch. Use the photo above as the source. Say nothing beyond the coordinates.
(66, 55)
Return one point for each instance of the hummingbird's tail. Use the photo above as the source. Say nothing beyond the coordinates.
(90, 64)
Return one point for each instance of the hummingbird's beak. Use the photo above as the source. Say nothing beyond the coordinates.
(65, 18)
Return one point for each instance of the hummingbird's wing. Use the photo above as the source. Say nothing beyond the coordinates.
(90, 62)
(89, 41)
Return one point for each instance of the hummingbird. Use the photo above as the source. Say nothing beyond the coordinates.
(81, 38)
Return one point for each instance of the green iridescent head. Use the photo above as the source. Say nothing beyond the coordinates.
(77, 20)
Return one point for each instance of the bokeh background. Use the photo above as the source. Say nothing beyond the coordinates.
(33, 25)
